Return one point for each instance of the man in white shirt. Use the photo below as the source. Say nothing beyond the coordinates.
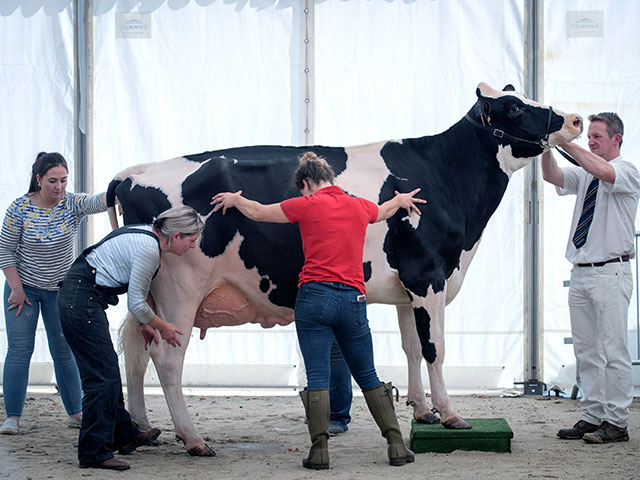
(600, 246)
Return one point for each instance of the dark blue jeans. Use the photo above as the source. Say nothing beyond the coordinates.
(325, 310)
(340, 392)
(106, 425)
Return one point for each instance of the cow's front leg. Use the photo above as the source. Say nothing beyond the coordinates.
(429, 318)
(411, 346)
(169, 362)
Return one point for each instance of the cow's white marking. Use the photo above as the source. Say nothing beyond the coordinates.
(163, 175)
(364, 176)
(509, 163)
(414, 220)
(565, 134)
(398, 178)
(366, 172)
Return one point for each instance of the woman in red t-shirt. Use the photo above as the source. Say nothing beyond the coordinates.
(331, 301)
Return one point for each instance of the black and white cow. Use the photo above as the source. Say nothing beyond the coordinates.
(246, 271)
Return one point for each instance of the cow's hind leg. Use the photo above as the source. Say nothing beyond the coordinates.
(136, 361)
(169, 362)
(411, 346)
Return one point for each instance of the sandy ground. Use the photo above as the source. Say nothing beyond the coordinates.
(265, 437)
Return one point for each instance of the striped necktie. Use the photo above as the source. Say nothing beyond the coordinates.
(588, 207)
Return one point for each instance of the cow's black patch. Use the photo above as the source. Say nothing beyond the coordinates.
(366, 269)
(463, 186)
(140, 204)
(423, 322)
(462, 182)
(264, 285)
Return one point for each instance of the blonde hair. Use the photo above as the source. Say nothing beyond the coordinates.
(314, 168)
(181, 219)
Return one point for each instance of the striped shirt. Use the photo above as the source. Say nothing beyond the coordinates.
(39, 241)
(131, 259)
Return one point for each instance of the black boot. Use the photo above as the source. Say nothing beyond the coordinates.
(380, 403)
(316, 406)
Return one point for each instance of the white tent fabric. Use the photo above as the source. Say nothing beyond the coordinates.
(585, 75)
(36, 94)
(220, 74)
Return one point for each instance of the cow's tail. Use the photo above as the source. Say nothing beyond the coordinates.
(111, 203)
(131, 344)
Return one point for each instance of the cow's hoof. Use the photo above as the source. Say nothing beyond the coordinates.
(455, 423)
(202, 450)
(428, 418)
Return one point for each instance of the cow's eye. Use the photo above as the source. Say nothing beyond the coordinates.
(515, 109)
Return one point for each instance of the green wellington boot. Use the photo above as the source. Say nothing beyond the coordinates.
(380, 403)
(316, 406)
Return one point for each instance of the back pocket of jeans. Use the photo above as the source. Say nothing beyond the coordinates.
(359, 312)
(312, 305)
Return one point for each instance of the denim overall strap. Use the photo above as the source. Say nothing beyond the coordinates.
(122, 231)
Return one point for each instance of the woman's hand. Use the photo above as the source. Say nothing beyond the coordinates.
(149, 334)
(17, 299)
(408, 202)
(225, 200)
(168, 331)
(402, 200)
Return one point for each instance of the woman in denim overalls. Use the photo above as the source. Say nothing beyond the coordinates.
(126, 260)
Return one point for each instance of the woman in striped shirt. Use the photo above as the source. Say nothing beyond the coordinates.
(36, 250)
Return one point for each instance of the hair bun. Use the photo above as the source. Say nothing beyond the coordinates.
(308, 157)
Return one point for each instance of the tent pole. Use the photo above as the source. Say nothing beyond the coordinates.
(83, 103)
(533, 45)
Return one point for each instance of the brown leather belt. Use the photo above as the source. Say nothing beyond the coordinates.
(623, 258)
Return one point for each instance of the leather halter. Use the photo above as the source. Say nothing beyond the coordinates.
(541, 142)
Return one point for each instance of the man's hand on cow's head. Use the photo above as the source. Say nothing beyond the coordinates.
(225, 200)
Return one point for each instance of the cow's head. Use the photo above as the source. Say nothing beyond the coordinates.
(521, 127)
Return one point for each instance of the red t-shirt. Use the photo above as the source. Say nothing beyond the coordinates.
(332, 226)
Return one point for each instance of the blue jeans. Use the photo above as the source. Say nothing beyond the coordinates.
(340, 392)
(325, 310)
(21, 335)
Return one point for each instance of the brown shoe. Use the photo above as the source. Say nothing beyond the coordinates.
(109, 464)
(143, 438)
(607, 433)
(578, 430)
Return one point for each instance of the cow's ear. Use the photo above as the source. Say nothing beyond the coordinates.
(486, 108)
(508, 88)
(478, 92)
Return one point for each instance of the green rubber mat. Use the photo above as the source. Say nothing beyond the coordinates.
(486, 434)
